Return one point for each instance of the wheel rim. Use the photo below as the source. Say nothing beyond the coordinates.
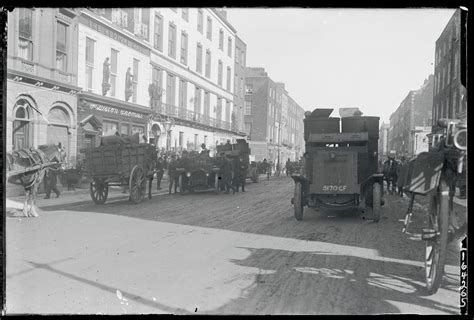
(99, 191)
(137, 184)
(435, 249)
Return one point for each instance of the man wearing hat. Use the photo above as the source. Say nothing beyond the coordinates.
(173, 174)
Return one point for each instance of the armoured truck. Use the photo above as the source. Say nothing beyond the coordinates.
(340, 165)
(240, 149)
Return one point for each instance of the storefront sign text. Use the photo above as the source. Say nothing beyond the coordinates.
(113, 110)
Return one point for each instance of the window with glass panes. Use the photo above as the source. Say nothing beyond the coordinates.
(113, 71)
(172, 41)
(61, 46)
(185, 14)
(158, 33)
(157, 77)
(184, 48)
(109, 128)
(227, 111)
(229, 47)
(135, 79)
(25, 34)
(228, 78)
(248, 127)
(170, 89)
(221, 39)
(139, 129)
(125, 128)
(183, 93)
(219, 109)
(199, 58)
(219, 73)
(208, 63)
(89, 62)
(209, 28)
(200, 21)
(207, 104)
(197, 100)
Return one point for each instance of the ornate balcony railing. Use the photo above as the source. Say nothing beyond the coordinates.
(189, 115)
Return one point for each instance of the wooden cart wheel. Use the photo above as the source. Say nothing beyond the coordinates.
(298, 201)
(99, 191)
(137, 184)
(181, 184)
(376, 201)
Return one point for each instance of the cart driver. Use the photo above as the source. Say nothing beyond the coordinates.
(204, 150)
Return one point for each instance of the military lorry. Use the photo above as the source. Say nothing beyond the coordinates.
(340, 166)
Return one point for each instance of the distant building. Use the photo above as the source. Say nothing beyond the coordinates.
(420, 139)
(240, 57)
(273, 120)
(414, 111)
(449, 99)
(383, 139)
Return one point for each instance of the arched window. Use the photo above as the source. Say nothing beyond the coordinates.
(59, 128)
(22, 125)
(58, 115)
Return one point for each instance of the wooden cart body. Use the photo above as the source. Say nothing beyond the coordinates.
(119, 165)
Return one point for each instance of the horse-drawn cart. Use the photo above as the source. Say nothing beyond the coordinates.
(120, 165)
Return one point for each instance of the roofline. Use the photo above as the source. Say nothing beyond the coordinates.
(223, 19)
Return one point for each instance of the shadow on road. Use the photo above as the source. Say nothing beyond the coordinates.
(265, 209)
(321, 283)
(126, 294)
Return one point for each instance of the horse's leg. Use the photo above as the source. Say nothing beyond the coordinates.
(25, 203)
(34, 191)
(150, 183)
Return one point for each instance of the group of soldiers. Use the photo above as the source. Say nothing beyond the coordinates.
(233, 170)
(394, 173)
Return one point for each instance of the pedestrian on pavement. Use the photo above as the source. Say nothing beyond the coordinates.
(240, 173)
(160, 170)
(50, 182)
(402, 170)
(227, 170)
(288, 167)
(173, 174)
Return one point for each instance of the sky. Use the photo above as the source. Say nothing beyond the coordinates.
(331, 58)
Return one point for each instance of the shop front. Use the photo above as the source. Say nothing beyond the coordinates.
(102, 116)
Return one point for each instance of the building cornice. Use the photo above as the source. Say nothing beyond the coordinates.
(40, 82)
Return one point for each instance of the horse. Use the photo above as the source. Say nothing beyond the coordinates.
(24, 159)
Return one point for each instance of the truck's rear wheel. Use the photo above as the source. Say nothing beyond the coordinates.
(298, 201)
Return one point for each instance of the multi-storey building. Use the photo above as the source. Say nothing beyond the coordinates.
(166, 73)
(273, 120)
(42, 79)
(239, 83)
(450, 96)
(414, 111)
(383, 139)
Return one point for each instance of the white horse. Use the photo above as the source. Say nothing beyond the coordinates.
(43, 157)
